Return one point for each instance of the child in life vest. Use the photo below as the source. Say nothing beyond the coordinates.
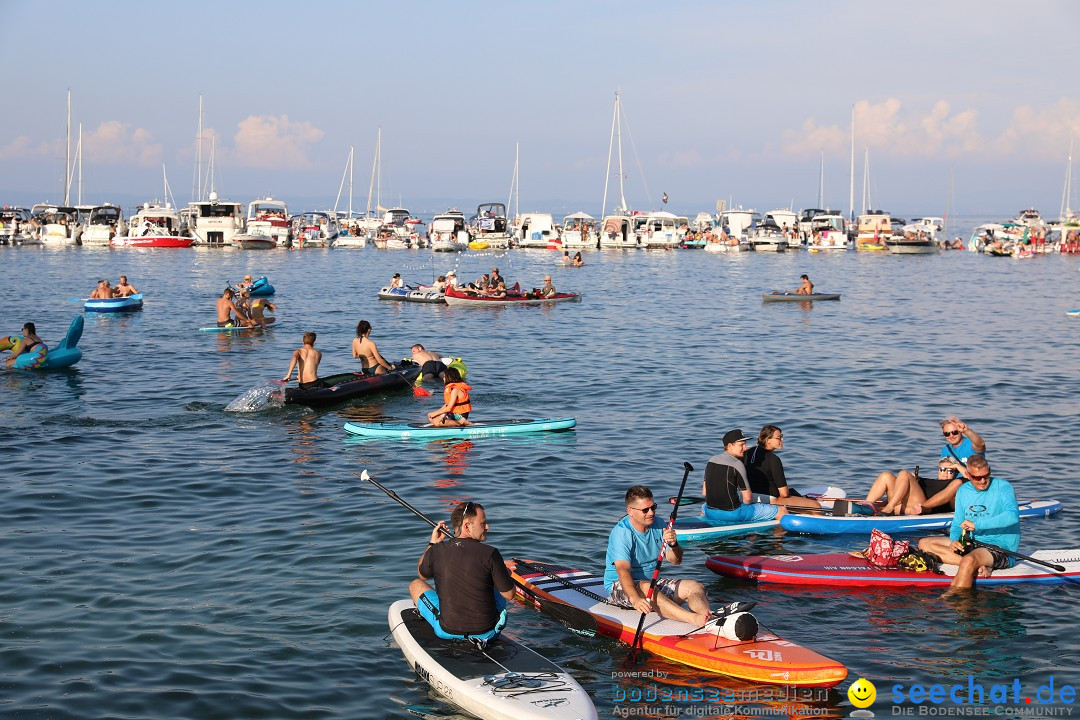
(456, 406)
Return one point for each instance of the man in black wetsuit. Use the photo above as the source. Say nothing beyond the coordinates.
(471, 580)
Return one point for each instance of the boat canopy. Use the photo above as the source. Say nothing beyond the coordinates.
(579, 216)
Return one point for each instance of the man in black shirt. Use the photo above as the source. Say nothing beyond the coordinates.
(728, 500)
(472, 583)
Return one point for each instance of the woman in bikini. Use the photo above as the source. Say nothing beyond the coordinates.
(364, 347)
(30, 340)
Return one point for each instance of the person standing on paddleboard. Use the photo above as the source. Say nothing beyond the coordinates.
(632, 552)
(986, 508)
(472, 583)
(728, 498)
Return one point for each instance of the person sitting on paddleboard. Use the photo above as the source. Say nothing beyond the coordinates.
(728, 498)
(472, 583)
(986, 508)
(807, 287)
(431, 365)
(123, 289)
(904, 492)
(227, 307)
(364, 348)
(633, 548)
(258, 307)
(306, 360)
(456, 406)
(766, 473)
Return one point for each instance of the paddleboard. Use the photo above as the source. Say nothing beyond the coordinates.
(1073, 313)
(764, 659)
(237, 328)
(847, 570)
(829, 525)
(489, 428)
(795, 297)
(504, 681)
(699, 529)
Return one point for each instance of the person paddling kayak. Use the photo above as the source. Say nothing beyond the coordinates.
(472, 583)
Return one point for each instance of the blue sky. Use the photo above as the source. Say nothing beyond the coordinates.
(722, 100)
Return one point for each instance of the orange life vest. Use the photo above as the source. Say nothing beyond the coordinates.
(462, 406)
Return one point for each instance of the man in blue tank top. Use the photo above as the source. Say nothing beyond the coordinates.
(986, 508)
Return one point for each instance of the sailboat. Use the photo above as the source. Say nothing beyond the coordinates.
(352, 232)
(617, 229)
(371, 222)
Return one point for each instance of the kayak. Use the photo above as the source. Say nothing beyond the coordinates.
(481, 429)
(344, 386)
(130, 303)
(764, 659)
(795, 297)
(849, 570)
(411, 295)
(459, 299)
(699, 529)
(504, 681)
(65, 354)
(829, 525)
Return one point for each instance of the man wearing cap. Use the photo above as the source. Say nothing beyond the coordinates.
(451, 280)
(728, 499)
(396, 283)
(495, 278)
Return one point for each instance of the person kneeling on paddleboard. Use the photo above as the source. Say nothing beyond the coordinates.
(456, 406)
(728, 498)
(632, 555)
(986, 510)
(472, 583)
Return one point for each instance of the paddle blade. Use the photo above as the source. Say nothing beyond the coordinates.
(364, 476)
(570, 617)
(418, 391)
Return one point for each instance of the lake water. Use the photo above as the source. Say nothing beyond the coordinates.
(160, 557)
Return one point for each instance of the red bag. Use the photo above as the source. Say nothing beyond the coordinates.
(883, 550)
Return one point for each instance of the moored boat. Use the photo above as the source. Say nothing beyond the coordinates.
(447, 233)
(56, 224)
(490, 225)
(537, 231)
(154, 226)
(408, 294)
(103, 223)
(270, 218)
(314, 229)
(579, 231)
(15, 226)
(215, 221)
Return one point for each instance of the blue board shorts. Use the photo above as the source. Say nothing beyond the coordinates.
(428, 608)
(754, 512)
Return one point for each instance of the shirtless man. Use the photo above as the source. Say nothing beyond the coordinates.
(122, 288)
(431, 365)
(102, 291)
(226, 307)
(258, 307)
(364, 348)
(306, 361)
(807, 287)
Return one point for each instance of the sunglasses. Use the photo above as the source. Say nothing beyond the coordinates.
(946, 469)
(973, 476)
(950, 433)
(646, 510)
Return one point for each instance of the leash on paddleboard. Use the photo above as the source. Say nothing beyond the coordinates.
(571, 617)
(638, 637)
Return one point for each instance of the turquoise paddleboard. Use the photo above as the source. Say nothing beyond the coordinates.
(490, 428)
(1073, 313)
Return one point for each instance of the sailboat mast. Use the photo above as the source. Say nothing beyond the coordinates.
(352, 149)
(611, 145)
(1066, 192)
(865, 177)
(513, 182)
(948, 207)
(517, 180)
(851, 188)
(67, 154)
(374, 164)
(341, 185)
(196, 182)
(78, 154)
(618, 114)
(821, 182)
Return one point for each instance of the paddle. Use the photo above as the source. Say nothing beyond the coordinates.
(638, 639)
(571, 617)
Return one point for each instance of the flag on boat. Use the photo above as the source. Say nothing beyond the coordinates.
(664, 198)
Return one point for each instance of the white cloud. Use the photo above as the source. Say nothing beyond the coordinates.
(23, 147)
(890, 129)
(115, 143)
(274, 142)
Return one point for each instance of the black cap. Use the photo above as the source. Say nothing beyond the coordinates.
(733, 436)
(397, 274)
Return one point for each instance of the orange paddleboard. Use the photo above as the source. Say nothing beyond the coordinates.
(764, 659)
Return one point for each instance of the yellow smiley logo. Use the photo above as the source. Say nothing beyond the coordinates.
(862, 693)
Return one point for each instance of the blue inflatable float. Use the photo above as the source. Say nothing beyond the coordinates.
(261, 288)
(65, 354)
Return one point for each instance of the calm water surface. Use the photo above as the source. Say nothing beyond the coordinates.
(163, 558)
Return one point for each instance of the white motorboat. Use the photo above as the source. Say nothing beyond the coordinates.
(768, 237)
(447, 232)
(537, 230)
(103, 223)
(875, 227)
(314, 228)
(56, 225)
(155, 225)
(215, 221)
(579, 231)
(828, 231)
(270, 218)
(660, 230)
(15, 226)
(490, 225)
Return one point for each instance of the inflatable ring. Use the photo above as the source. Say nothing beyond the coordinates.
(31, 360)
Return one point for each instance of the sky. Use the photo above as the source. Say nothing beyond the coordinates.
(965, 104)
